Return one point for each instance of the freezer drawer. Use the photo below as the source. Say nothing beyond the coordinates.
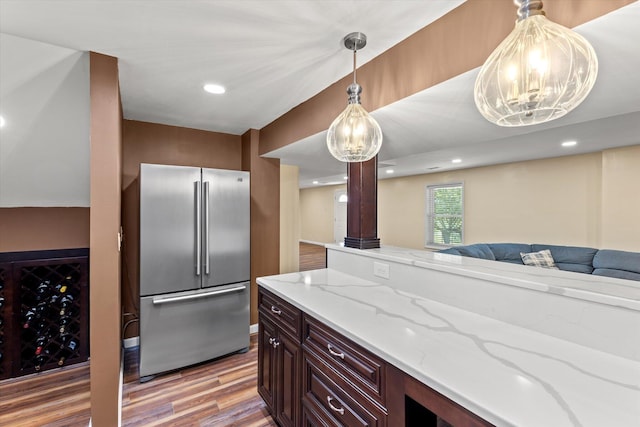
(181, 329)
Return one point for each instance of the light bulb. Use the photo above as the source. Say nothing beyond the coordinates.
(354, 136)
(540, 72)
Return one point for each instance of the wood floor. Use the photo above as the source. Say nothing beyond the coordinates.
(220, 393)
(312, 256)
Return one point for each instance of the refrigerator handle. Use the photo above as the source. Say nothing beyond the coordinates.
(206, 227)
(198, 230)
(157, 301)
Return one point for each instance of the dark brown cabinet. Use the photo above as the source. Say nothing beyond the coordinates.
(310, 375)
(279, 359)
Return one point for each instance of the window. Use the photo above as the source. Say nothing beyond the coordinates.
(445, 215)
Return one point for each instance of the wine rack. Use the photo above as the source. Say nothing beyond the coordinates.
(45, 312)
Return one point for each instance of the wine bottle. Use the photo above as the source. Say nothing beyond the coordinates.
(39, 361)
(1, 302)
(67, 351)
(41, 342)
(29, 317)
(42, 291)
(65, 303)
(64, 322)
(63, 287)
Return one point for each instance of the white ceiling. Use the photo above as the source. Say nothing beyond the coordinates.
(271, 55)
(274, 54)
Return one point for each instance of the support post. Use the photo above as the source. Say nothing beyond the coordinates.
(362, 205)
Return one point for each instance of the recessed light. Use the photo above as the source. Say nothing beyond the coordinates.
(569, 143)
(456, 161)
(213, 88)
(389, 171)
(316, 182)
(2, 122)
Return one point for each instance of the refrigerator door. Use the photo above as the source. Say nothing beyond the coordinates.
(181, 329)
(226, 234)
(169, 228)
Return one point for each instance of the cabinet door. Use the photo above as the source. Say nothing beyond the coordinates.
(288, 377)
(267, 362)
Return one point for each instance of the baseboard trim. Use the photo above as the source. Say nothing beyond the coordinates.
(311, 242)
(131, 342)
(253, 329)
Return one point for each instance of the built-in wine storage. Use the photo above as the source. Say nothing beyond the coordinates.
(44, 317)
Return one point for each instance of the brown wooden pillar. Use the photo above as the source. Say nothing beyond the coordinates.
(362, 205)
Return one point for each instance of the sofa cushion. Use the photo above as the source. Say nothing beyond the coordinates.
(509, 252)
(478, 250)
(570, 258)
(617, 260)
(539, 259)
(620, 274)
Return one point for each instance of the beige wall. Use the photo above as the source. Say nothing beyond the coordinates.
(31, 229)
(289, 219)
(316, 213)
(583, 200)
(621, 198)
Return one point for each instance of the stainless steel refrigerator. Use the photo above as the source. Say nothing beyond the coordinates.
(194, 265)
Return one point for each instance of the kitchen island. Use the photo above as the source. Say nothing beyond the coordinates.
(419, 313)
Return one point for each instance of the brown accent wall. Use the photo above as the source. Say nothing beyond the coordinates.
(32, 229)
(168, 145)
(105, 301)
(265, 213)
(457, 42)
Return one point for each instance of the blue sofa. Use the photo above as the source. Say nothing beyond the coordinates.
(600, 262)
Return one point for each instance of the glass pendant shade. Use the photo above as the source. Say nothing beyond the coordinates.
(540, 72)
(354, 136)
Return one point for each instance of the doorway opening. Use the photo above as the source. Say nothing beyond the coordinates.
(339, 216)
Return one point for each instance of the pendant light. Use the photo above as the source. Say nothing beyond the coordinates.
(354, 136)
(540, 72)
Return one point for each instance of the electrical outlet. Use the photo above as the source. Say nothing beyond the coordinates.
(381, 270)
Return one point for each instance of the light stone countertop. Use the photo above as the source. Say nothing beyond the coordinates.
(600, 289)
(509, 375)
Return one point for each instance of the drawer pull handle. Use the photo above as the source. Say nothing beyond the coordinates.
(274, 310)
(333, 353)
(333, 408)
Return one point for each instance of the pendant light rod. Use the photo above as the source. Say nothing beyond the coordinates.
(354, 66)
(355, 41)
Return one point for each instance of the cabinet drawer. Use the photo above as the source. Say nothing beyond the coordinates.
(283, 314)
(336, 405)
(348, 358)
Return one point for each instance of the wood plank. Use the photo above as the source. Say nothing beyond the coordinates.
(221, 392)
(312, 257)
